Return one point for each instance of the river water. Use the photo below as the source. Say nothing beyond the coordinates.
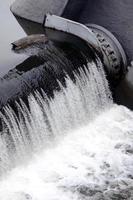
(77, 145)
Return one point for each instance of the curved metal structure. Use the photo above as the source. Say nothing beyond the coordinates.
(97, 38)
(115, 16)
(112, 50)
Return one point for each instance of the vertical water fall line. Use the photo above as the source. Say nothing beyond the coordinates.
(75, 145)
(49, 119)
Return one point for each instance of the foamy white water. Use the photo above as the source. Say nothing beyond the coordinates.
(93, 162)
(75, 146)
(49, 119)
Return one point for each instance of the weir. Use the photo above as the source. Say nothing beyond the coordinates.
(61, 134)
(64, 146)
(115, 16)
(75, 44)
(35, 126)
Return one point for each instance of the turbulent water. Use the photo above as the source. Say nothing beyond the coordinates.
(77, 145)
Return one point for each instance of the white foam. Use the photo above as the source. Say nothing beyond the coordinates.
(49, 119)
(78, 145)
(92, 162)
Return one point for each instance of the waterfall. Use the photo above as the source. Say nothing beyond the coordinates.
(47, 119)
(76, 145)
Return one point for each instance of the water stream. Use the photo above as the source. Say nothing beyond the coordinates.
(77, 145)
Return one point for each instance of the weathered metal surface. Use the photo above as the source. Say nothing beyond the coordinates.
(114, 15)
(71, 27)
(98, 38)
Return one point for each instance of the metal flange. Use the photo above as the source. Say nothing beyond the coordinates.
(114, 55)
(98, 38)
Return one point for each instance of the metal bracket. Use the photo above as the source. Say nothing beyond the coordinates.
(101, 40)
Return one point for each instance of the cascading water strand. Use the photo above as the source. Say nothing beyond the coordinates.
(46, 120)
(75, 145)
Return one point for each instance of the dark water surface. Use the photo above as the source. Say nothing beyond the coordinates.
(10, 31)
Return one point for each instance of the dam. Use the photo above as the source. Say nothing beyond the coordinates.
(62, 134)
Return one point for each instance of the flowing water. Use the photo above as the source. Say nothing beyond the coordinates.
(77, 145)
